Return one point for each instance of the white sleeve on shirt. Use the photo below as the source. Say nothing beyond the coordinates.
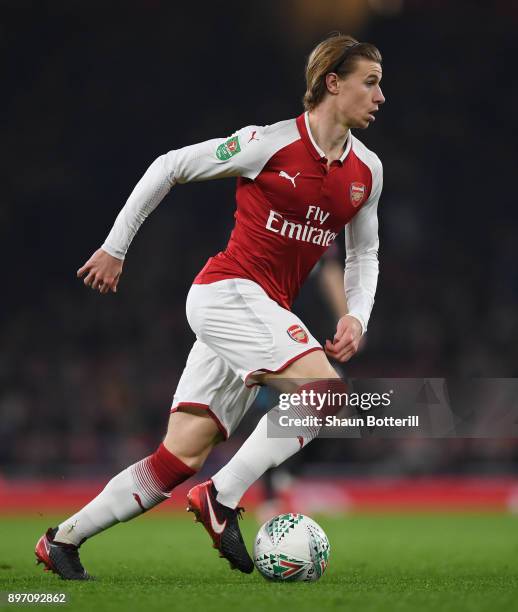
(239, 155)
(361, 263)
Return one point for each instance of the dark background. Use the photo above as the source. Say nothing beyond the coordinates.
(94, 92)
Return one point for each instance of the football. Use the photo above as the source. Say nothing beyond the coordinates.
(291, 547)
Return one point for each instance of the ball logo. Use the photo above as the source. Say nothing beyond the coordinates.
(297, 333)
(357, 192)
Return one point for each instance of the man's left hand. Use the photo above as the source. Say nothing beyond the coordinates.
(346, 339)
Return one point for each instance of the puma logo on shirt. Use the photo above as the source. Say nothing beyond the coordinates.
(287, 176)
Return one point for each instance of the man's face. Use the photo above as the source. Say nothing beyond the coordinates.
(359, 94)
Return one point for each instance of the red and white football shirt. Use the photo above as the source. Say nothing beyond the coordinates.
(290, 208)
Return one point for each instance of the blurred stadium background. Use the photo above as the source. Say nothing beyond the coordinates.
(95, 91)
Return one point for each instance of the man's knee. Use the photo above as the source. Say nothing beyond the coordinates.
(312, 385)
(191, 435)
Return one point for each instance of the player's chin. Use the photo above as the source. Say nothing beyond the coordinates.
(363, 124)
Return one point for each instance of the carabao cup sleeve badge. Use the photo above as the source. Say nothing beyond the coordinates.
(228, 149)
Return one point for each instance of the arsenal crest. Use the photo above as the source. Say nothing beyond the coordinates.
(297, 333)
(357, 192)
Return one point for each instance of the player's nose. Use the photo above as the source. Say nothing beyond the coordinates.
(379, 98)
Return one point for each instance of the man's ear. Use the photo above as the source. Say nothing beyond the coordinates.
(332, 83)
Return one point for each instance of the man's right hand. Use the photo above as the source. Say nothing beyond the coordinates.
(102, 272)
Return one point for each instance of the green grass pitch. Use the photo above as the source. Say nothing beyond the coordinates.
(392, 562)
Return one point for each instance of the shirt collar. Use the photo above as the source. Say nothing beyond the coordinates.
(309, 141)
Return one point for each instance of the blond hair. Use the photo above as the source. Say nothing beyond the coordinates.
(338, 53)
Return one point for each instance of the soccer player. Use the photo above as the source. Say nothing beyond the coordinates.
(299, 182)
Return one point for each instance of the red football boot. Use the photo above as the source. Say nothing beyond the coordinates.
(221, 523)
(60, 558)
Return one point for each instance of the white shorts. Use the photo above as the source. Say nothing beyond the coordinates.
(240, 331)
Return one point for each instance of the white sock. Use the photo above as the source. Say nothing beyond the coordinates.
(127, 495)
(257, 454)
